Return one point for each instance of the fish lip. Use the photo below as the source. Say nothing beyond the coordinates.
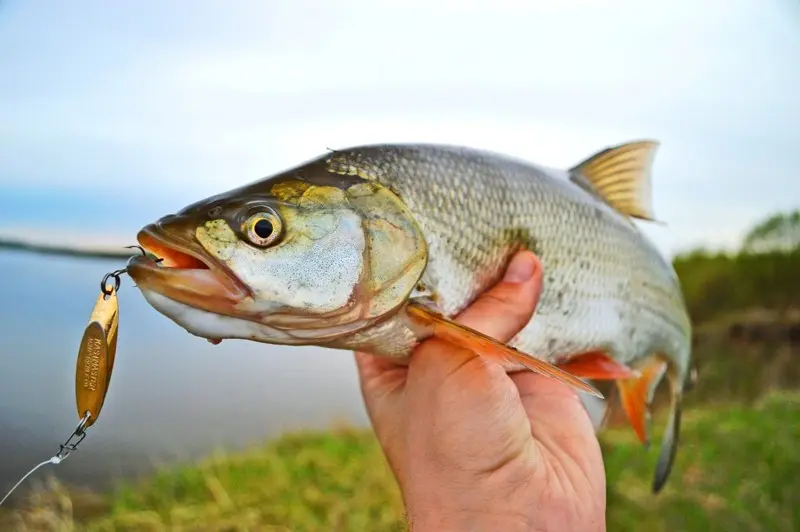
(164, 239)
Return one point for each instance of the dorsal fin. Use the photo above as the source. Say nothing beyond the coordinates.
(621, 176)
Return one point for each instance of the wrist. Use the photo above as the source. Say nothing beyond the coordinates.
(469, 503)
(441, 520)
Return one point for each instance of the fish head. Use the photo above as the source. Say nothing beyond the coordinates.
(301, 258)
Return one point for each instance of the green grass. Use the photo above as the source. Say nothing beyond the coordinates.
(305, 481)
(736, 469)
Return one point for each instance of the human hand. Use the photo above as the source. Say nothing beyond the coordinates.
(475, 448)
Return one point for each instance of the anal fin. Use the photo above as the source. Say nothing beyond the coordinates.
(486, 346)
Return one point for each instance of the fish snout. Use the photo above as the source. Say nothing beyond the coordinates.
(171, 228)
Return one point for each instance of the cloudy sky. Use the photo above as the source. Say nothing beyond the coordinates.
(112, 113)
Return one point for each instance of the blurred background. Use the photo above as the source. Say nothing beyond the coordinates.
(113, 114)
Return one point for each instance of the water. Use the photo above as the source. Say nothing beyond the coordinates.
(172, 397)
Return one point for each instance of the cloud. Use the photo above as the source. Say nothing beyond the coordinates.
(158, 98)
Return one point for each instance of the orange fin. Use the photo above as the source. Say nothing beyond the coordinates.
(481, 344)
(635, 395)
(597, 365)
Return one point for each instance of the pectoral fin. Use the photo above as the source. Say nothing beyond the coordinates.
(483, 345)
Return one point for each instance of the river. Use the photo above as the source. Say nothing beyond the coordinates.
(172, 396)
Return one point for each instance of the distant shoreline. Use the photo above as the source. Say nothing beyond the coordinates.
(77, 249)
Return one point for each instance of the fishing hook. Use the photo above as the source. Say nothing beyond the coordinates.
(140, 248)
(116, 274)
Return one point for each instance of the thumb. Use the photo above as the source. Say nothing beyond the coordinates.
(501, 312)
(507, 307)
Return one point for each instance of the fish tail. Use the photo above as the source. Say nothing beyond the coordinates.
(669, 442)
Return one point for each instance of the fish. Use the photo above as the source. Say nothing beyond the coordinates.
(378, 247)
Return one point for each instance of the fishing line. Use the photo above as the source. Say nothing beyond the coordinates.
(63, 452)
(26, 475)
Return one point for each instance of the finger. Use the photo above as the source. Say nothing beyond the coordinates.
(562, 429)
(366, 369)
(559, 420)
(533, 385)
(501, 312)
(382, 383)
(506, 308)
(379, 378)
(371, 366)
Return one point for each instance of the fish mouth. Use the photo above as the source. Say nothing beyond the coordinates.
(185, 272)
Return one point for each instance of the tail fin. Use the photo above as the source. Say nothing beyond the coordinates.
(669, 443)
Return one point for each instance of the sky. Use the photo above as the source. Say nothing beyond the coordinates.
(114, 113)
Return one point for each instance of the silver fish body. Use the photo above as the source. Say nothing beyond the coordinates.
(605, 285)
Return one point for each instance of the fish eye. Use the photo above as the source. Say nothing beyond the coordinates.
(263, 228)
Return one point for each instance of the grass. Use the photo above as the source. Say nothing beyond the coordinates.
(736, 470)
(306, 481)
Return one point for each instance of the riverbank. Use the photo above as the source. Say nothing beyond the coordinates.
(736, 470)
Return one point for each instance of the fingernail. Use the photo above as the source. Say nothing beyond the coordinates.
(521, 269)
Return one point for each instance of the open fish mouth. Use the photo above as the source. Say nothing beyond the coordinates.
(186, 273)
(172, 254)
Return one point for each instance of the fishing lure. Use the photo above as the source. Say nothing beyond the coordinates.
(93, 367)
